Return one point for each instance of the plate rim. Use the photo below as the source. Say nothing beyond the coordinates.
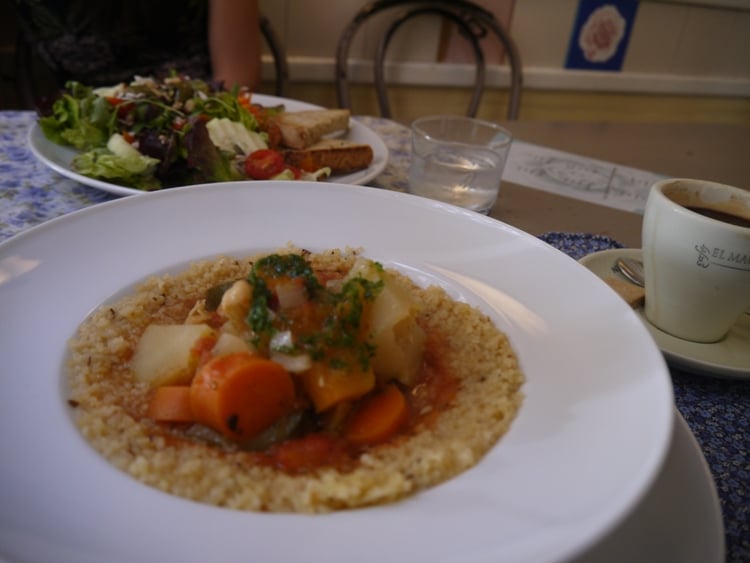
(408, 201)
(37, 142)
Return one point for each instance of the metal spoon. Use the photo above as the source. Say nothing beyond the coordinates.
(631, 269)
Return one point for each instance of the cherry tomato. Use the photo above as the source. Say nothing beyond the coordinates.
(244, 98)
(296, 171)
(124, 107)
(264, 164)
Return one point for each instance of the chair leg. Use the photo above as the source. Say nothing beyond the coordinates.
(279, 55)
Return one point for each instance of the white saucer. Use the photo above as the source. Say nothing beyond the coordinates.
(729, 357)
(679, 519)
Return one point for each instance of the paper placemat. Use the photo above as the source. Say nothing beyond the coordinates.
(571, 175)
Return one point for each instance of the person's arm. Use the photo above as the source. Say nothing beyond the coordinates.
(234, 42)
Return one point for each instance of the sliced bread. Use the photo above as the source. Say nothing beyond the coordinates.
(340, 155)
(301, 129)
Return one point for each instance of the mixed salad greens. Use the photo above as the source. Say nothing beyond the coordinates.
(153, 134)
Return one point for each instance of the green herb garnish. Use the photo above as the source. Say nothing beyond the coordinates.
(336, 336)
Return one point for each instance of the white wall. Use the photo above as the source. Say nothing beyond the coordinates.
(674, 48)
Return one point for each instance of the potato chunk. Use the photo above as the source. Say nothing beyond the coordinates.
(229, 343)
(399, 341)
(168, 354)
(399, 350)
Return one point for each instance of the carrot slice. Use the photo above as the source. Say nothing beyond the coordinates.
(379, 418)
(170, 403)
(304, 454)
(241, 394)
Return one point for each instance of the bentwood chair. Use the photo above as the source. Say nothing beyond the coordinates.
(29, 89)
(474, 23)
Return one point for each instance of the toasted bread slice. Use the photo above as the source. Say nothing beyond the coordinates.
(340, 155)
(301, 129)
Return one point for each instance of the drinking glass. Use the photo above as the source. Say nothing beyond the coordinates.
(458, 160)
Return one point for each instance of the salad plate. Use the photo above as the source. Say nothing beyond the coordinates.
(730, 357)
(586, 447)
(58, 157)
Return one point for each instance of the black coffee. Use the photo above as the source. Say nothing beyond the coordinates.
(722, 216)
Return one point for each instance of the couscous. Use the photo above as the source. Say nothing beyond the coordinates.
(462, 401)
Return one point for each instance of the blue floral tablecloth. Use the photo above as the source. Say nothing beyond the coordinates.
(717, 410)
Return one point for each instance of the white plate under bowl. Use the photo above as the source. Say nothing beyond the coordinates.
(679, 520)
(58, 157)
(586, 446)
(729, 357)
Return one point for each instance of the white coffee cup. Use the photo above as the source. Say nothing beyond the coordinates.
(696, 262)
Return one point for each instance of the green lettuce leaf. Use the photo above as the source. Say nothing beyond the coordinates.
(136, 171)
(207, 163)
(225, 104)
(79, 118)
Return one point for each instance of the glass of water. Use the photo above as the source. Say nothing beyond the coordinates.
(458, 160)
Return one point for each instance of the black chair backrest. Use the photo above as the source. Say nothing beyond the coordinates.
(474, 23)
